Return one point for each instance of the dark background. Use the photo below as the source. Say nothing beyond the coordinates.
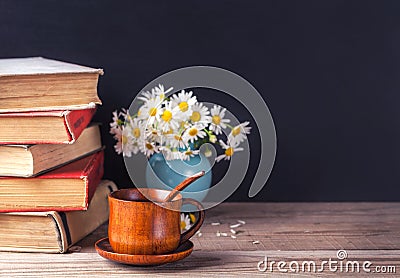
(328, 70)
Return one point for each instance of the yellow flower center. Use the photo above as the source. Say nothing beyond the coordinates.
(138, 112)
(229, 151)
(170, 131)
(166, 116)
(236, 131)
(136, 132)
(216, 119)
(162, 96)
(183, 106)
(149, 146)
(192, 217)
(196, 116)
(193, 132)
(124, 139)
(183, 225)
(189, 152)
(152, 112)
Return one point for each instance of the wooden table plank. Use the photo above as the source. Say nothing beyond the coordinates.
(285, 231)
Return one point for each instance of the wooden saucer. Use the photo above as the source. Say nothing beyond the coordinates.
(104, 249)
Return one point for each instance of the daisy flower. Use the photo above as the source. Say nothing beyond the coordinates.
(168, 118)
(152, 133)
(157, 93)
(200, 114)
(171, 125)
(238, 134)
(148, 148)
(217, 119)
(185, 222)
(137, 134)
(187, 154)
(229, 151)
(193, 133)
(150, 110)
(160, 92)
(125, 142)
(177, 140)
(137, 127)
(184, 102)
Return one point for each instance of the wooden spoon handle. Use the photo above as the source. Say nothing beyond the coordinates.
(183, 185)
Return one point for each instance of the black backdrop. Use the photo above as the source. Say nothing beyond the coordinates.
(328, 70)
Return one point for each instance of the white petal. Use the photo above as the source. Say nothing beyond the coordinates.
(220, 157)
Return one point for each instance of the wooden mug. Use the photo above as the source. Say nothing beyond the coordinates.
(140, 226)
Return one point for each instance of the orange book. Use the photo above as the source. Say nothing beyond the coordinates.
(46, 127)
(67, 188)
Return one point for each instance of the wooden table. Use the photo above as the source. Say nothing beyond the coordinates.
(287, 232)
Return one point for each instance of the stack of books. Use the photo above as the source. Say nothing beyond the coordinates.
(51, 158)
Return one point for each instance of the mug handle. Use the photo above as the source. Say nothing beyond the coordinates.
(196, 226)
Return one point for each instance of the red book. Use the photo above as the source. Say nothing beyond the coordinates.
(70, 187)
(45, 127)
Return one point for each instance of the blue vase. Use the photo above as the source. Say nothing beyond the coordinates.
(166, 175)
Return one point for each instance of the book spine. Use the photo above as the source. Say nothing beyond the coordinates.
(94, 174)
(76, 121)
(62, 231)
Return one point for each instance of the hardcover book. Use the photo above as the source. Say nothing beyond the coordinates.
(31, 160)
(51, 231)
(67, 188)
(46, 127)
(32, 84)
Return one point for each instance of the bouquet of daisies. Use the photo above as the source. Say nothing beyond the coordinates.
(175, 126)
